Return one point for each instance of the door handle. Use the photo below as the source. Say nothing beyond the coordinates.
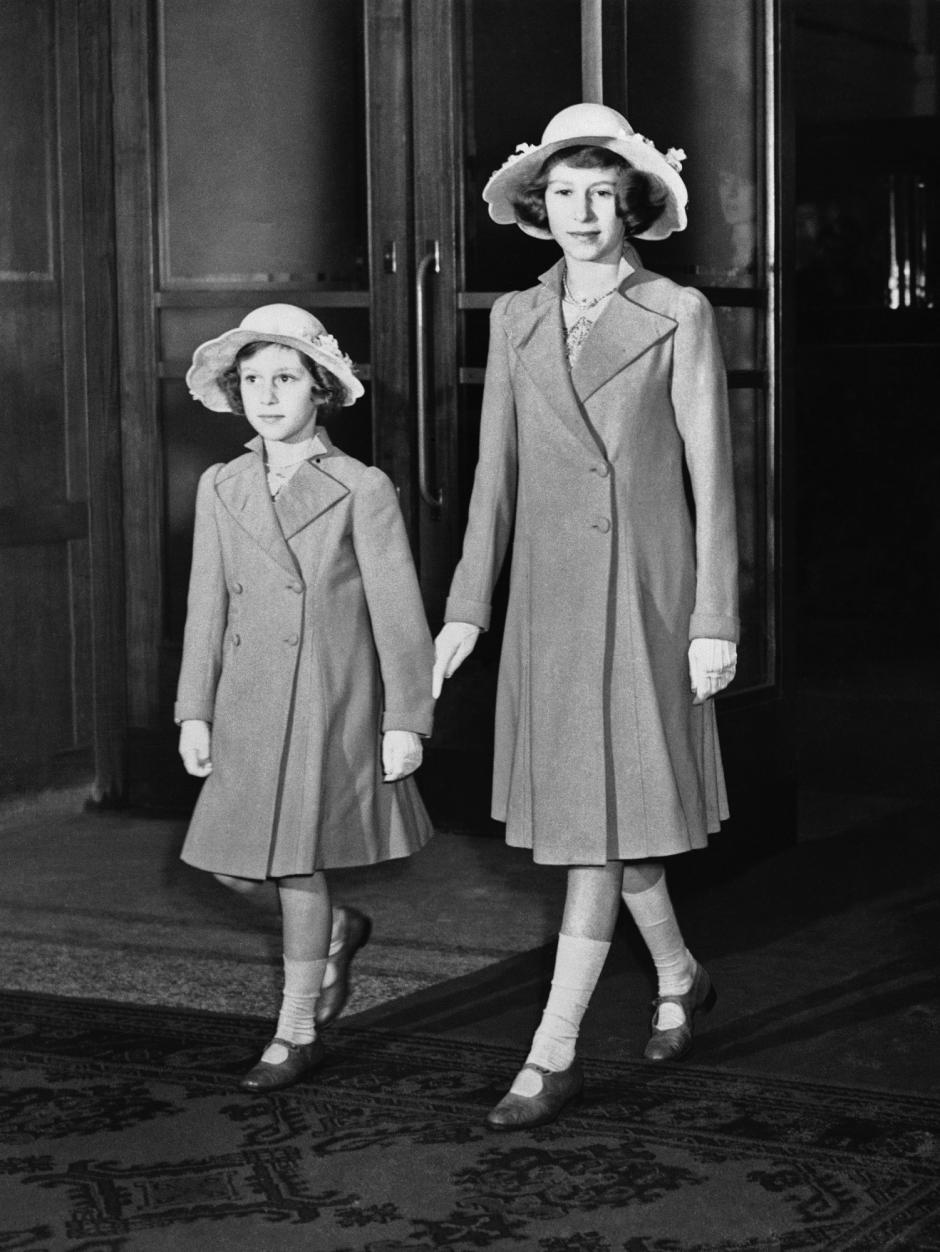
(430, 261)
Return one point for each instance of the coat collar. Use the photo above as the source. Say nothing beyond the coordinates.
(625, 330)
(242, 488)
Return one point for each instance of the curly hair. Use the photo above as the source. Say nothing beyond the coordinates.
(641, 197)
(328, 391)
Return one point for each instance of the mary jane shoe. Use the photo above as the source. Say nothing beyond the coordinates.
(332, 1000)
(271, 1076)
(518, 1112)
(675, 1042)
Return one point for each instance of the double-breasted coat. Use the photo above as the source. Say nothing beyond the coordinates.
(305, 640)
(599, 750)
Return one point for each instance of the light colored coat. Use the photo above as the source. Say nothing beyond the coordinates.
(599, 751)
(305, 640)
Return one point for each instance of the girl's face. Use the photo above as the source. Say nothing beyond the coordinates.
(582, 212)
(277, 392)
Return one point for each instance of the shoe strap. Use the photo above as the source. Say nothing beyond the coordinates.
(286, 1043)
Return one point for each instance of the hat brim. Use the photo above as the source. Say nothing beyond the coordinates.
(508, 181)
(216, 355)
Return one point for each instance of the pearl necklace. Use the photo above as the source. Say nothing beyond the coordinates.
(580, 328)
(586, 302)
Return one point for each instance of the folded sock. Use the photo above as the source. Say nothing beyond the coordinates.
(655, 919)
(296, 1021)
(578, 965)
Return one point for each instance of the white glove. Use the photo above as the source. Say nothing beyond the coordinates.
(402, 752)
(712, 663)
(196, 747)
(451, 648)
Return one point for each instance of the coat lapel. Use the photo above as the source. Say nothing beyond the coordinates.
(536, 334)
(310, 492)
(622, 333)
(242, 488)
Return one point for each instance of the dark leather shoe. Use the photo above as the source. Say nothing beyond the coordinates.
(517, 1112)
(333, 998)
(673, 1044)
(300, 1059)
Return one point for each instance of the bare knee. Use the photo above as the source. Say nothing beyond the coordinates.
(314, 884)
(243, 886)
(641, 875)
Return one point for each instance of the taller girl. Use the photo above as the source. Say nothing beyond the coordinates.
(604, 384)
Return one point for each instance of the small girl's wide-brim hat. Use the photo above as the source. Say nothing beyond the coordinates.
(596, 126)
(272, 323)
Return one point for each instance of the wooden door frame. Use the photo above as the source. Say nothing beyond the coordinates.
(84, 46)
(132, 33)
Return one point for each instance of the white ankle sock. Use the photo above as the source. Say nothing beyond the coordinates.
(675, 966)
(578, 965)
(302, 982)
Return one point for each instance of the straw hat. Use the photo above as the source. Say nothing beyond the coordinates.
(272, 323)
(596, 126)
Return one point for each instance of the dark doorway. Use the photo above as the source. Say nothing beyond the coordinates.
(865, 95)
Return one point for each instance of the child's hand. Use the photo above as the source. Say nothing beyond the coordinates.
(451, 648)
(712, 664)
(195, 747)
(402, 753)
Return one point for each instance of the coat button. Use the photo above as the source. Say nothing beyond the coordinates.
(292, 640)
(237, 588)
(298, 587)
(602, 470)
(236, 640)
(602, 524)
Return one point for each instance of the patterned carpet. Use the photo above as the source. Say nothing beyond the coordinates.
(121, 1128)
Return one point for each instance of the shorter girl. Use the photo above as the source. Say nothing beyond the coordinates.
(306, 673)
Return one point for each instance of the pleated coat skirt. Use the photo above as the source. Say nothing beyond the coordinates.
(599, 751)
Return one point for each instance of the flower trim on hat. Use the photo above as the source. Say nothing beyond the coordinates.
(328, 345)
(522, 150)
(672, 156)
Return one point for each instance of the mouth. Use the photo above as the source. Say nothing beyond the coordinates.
(584, 234)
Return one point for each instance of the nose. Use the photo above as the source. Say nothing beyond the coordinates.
(584, 209)
(269, 393)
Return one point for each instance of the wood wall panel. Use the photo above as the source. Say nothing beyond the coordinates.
(61, 629)
(142, 445)
(38, 520)
(27, 195)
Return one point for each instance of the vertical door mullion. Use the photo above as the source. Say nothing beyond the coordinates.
(391, 259)
(438, 148)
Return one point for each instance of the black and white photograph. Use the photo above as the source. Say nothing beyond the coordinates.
(469, 712)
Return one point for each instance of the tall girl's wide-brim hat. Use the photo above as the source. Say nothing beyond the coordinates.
(272, 323)
(596, 126)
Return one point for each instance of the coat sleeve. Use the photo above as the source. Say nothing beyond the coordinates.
(700, 401)
(399, 626)
(206, 612)
(493, 501)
